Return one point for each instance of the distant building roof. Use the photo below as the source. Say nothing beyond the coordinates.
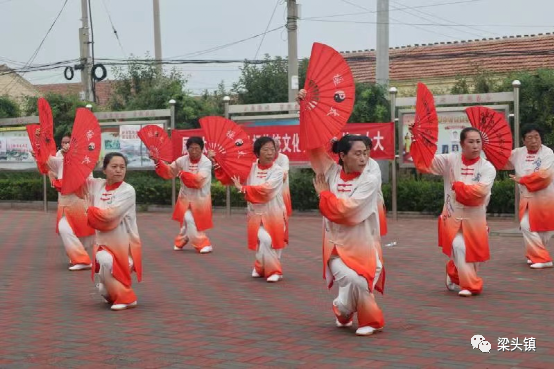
(103, 90)
(15, 86)
(499, 55)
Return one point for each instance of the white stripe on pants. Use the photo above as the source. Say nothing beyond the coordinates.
(105, 277)
(467, 272)
(267, 258)
(75, 247)
(352, 286)
(535, 242)
(198, 239)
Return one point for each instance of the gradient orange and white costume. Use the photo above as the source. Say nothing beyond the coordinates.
(283, 161)
(71, 220)
(463, 230)
(117, 250)
(352, 255)
(266, 216)
(193, 209)
(536, 205)
(374, 169)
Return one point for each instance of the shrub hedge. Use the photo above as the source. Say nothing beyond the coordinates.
(413, 195)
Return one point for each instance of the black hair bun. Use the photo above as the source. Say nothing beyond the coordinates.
(335, 145)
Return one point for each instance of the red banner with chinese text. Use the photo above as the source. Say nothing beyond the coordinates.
(381, 134)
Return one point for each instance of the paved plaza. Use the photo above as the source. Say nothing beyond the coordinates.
(206, 311)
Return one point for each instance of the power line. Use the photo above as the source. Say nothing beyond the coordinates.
(33, 57)
(113, 28)
(433, 24)
(396, 20)
(400, 56)
(454, 24)
(374, 11)
(355, 5)
(220, 47)
(266, 28)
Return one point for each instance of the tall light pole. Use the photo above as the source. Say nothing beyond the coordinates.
(157, 35)
(84, 49)
(172, 103)
(382, 49)
(292, 27)
(226, 100)
(516, 84)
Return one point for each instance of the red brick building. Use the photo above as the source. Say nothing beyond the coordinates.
(440, 63)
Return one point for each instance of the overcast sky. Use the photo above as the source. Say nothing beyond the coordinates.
(190, 26)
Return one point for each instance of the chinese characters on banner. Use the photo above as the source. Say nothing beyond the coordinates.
(381, 134)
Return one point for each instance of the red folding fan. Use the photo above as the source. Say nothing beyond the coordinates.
(83, 153)
(496, 133)
(33, 137)
(425, 131)
(329, 100)
(46, 145)
(157, 141)
(232, 146)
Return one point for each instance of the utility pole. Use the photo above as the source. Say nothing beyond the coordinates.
(157, 35)
(292, 27)
(86, 61)
(382, 49)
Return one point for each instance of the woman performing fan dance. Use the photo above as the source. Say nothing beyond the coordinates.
(463, 231)
(71, 221)
(468, 179)
(194, 205)
(352, 255)
(266, 211)
(117, 251)
(348, 191)
(534, 167)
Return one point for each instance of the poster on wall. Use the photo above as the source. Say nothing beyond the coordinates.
(130, 145)
(451, 123)
(133, 148)
(15, 150)
(15, 147)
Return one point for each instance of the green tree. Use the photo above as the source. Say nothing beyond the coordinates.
(8, 108)
(142, 85)
(481, 82)
(63, 111)
(461, 87)
(371, 105)
(536, 99)
(267, 82)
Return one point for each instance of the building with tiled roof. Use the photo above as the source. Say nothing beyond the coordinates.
(15, 86)
(438, 64)
(103, 90)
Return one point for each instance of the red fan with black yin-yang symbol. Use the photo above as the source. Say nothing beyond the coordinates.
(329, 100)
(232, 146)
